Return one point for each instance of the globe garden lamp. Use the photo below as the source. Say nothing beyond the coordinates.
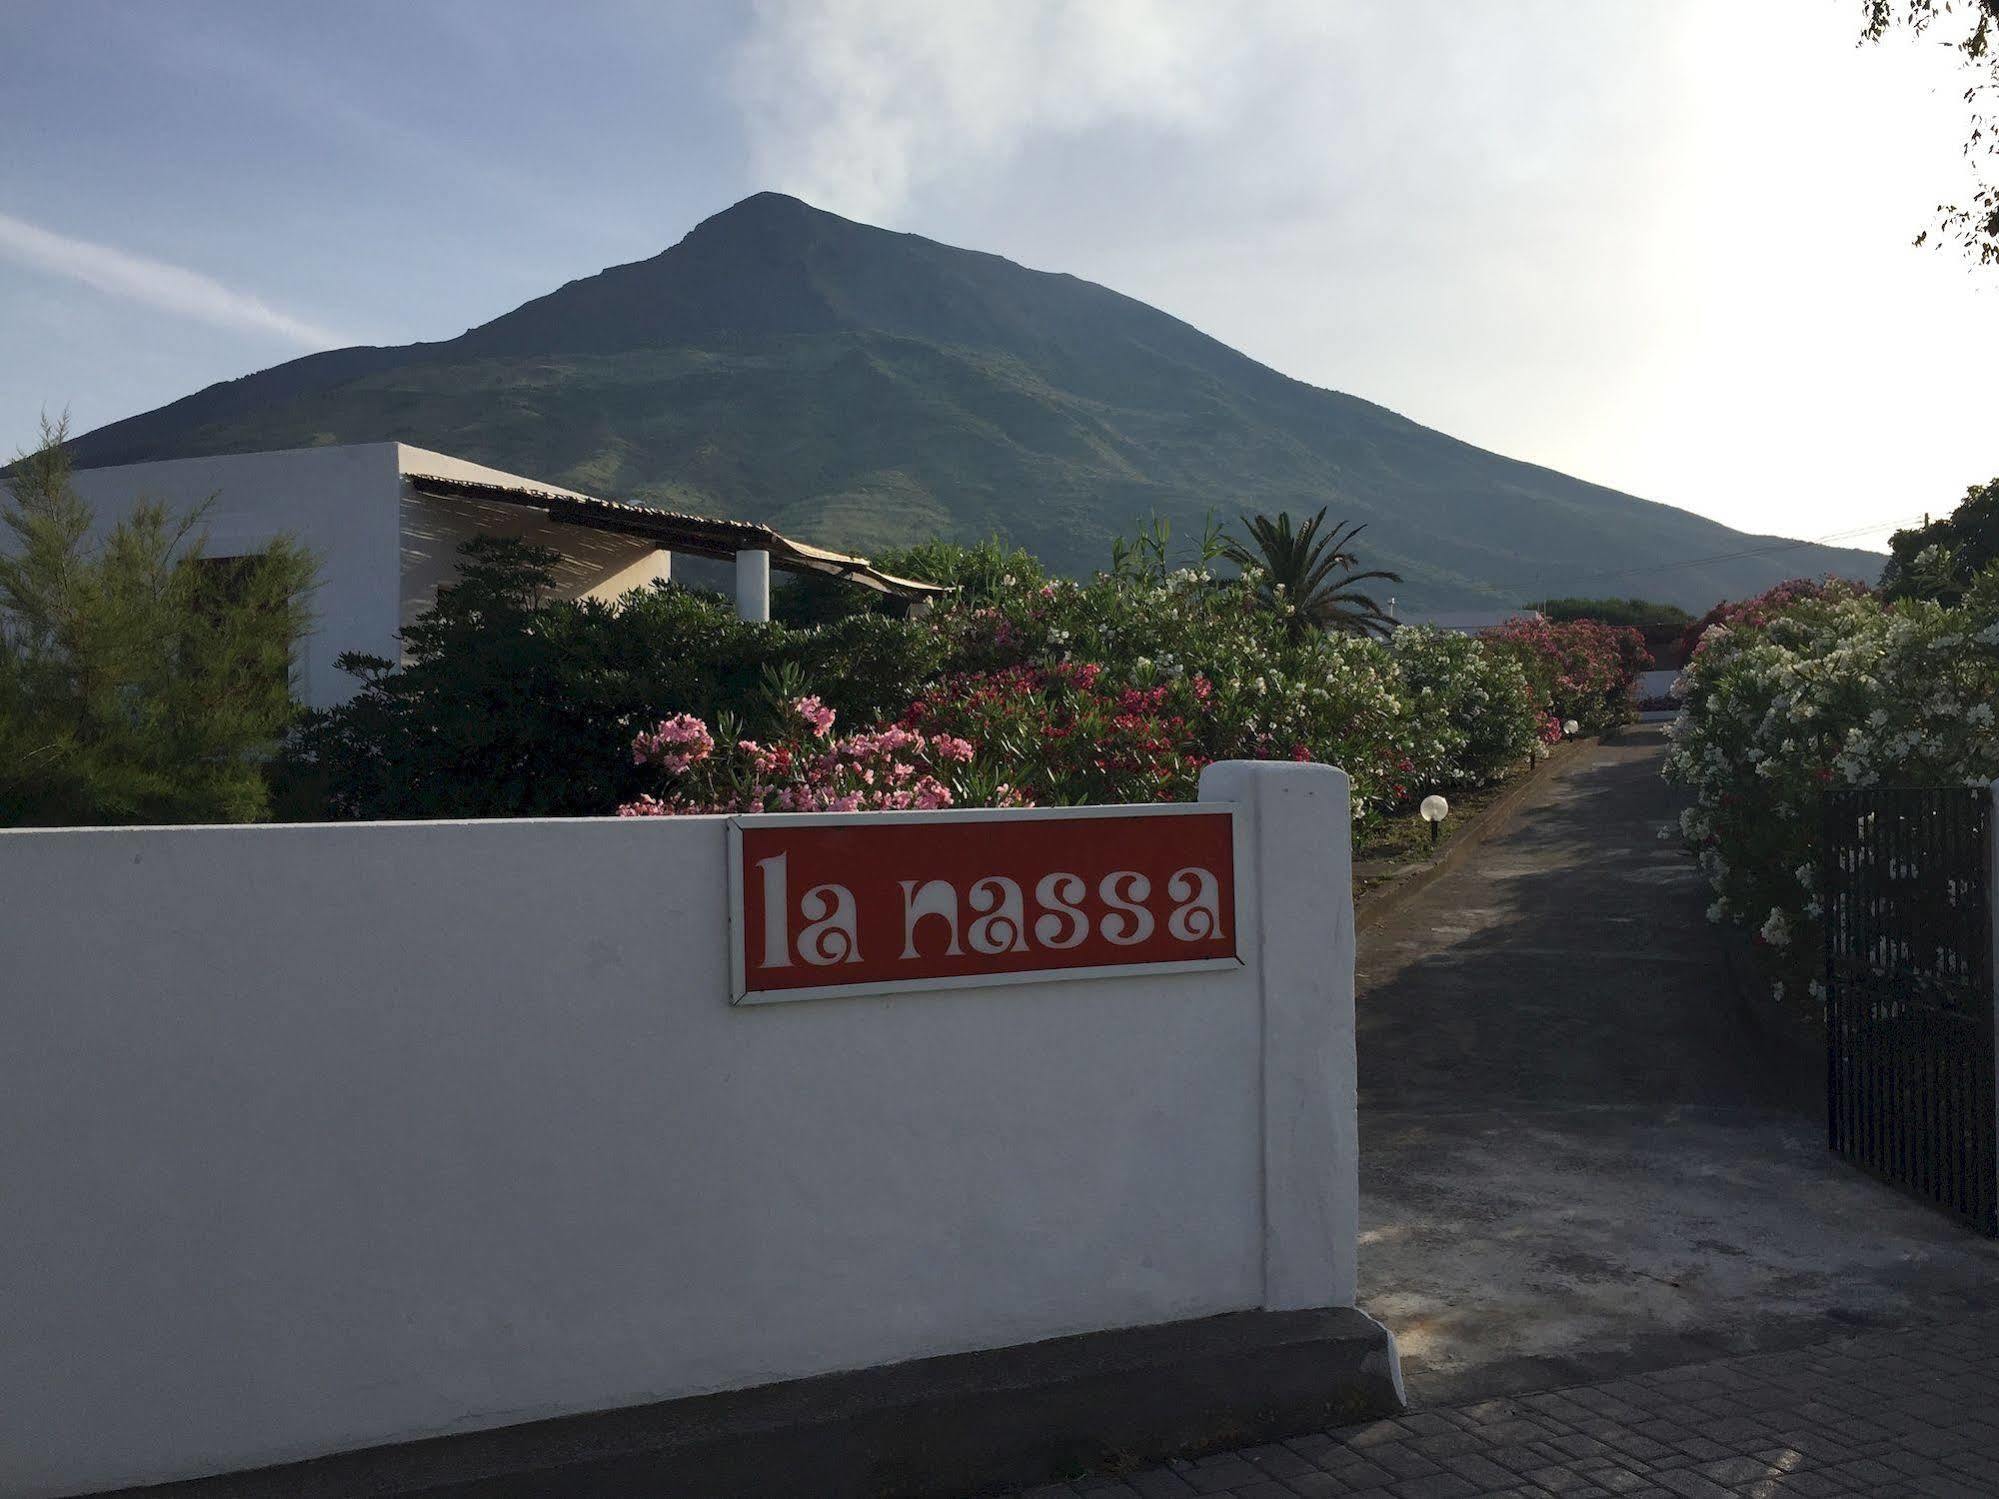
(1571, 728)
(1434, 809)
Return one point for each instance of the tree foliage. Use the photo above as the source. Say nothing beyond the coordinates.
(1939, 560)
(1578, 668)
(1973, 224)
(140, 681)
(979, 573)
(1309, 577)
(1809, 688)
(509, 703)
(1636, 612)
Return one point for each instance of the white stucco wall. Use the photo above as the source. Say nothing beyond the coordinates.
(317, 1137)
(341, 502)
(381, 550)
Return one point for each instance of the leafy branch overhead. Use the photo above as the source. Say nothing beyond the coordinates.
(1973, 224)
(1310, 577)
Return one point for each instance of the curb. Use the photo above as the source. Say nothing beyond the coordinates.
(1373, 905)
(933, 1428)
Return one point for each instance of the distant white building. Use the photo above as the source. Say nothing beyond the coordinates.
(384, 521)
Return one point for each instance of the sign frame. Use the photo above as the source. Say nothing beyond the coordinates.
(739, 990)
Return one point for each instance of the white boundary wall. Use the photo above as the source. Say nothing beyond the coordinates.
(318, 1137)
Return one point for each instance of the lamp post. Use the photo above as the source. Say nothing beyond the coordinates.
(1570, 728)
(1434, 810)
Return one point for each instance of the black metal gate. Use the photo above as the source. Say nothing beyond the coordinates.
(1909, 998)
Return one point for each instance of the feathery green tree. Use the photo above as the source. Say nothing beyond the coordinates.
(140, 681)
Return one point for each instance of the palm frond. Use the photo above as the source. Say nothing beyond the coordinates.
(1314, 568)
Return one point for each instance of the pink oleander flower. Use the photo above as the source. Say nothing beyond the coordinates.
(645, 806)
(950, 749)
(676, 745)
(816, 715)
(929, 794)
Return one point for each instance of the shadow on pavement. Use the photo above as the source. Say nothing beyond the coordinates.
(1576, 1159)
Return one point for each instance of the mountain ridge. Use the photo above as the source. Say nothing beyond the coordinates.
(865, 388)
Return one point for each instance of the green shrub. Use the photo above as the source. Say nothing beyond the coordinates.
(1637, 613)
(1121, 688)
(510, 704)
(1579, 669)
(1485, 714)
(1224, 666)
(979, 573)
(1819, 687)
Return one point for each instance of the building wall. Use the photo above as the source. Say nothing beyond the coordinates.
(381, 551)
(317, 1137)
(341, 502)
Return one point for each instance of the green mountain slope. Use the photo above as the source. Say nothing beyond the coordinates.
(862, 388)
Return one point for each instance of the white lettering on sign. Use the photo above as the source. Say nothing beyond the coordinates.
(832, 934)
(1200, 913)
(847, 902)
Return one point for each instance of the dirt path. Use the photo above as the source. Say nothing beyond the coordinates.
(1575, 1163)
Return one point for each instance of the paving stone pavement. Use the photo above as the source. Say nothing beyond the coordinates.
(1906, 1412)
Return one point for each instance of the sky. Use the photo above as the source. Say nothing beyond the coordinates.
(1663, 247)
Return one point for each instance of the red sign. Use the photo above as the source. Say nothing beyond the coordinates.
(880, 901)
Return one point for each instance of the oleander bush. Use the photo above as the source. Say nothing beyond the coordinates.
(1016, 690)
(1486, 715)
(1814, 685)
(1579, 669)
(1122, 688)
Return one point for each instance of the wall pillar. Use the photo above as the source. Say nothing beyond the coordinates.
(753, 585)
(1299, 831)
(662, 566)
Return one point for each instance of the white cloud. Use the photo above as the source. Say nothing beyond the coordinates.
(857, 104)
(169, 288)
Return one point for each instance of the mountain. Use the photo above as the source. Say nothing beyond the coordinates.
(863, 388)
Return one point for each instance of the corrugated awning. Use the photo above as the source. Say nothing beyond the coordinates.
(697, 535)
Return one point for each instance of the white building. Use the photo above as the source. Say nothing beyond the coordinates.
(384, 522)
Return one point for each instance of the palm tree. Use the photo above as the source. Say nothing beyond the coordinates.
(1313, 574)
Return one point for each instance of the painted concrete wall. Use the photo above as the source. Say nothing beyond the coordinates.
(341, 502)
(381, 550)
(318, 1137)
